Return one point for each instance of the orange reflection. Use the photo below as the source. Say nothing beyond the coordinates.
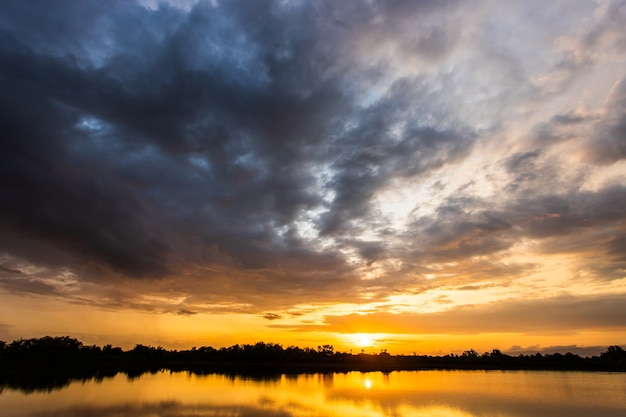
(352, 394)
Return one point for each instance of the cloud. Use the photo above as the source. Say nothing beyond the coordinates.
(9, 270)
(159, 136)
(607, 145)
(563, 313)
(583, 351)
(29, 286)
(184, 312)
(229, 154)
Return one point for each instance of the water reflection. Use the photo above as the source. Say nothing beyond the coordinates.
(375, 394)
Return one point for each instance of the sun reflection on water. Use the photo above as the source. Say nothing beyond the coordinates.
(368, 383)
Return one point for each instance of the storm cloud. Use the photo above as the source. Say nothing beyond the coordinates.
(270, 154)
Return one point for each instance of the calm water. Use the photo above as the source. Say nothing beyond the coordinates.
(397, 394)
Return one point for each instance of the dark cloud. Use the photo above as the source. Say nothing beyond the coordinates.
(561, 220)
(229, 151)
(28, 286)
(519, 160)
(608, 145)
(461, 229)
(555, 214)
(184, 312)
(568, 119)
(211, 127)
(375, 158)
(9, 270)
(563, 127)
(111, 142)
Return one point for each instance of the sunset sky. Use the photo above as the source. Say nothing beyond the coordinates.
(418, 176)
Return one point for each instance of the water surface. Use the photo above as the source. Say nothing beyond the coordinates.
(397, 394)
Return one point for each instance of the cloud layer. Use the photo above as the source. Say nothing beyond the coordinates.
(255, 156)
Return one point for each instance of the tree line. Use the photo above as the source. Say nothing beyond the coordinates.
(67, 348)
(72, 352)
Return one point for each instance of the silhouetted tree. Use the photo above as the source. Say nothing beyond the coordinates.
(110, 351)
(45, 348)
(614, 353)
(326, 350)
(91, 352)
(262, 351)
(470, 354)
(497, 354)
(143, 352)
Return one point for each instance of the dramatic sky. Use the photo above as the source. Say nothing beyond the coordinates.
(419, 176)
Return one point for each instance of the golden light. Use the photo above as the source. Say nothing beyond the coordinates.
(363, 340)
(368, 384)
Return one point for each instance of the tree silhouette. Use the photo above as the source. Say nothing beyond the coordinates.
(326, 350)
(67, 353)
(614, 353)
(470, 354)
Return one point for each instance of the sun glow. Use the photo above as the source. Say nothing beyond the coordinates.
(368, 384)
(363, 340)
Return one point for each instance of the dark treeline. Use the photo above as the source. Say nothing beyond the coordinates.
(66, 352)
(47, 363)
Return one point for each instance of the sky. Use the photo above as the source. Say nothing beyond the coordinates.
(417, 176)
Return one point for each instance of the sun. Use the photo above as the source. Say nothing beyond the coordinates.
(363, 340)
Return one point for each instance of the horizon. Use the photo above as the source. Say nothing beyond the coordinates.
(410, 176)
(514, 351)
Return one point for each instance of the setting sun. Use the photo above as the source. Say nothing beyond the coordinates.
(363, 340)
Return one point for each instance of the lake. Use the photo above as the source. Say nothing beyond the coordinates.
(362, 394)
